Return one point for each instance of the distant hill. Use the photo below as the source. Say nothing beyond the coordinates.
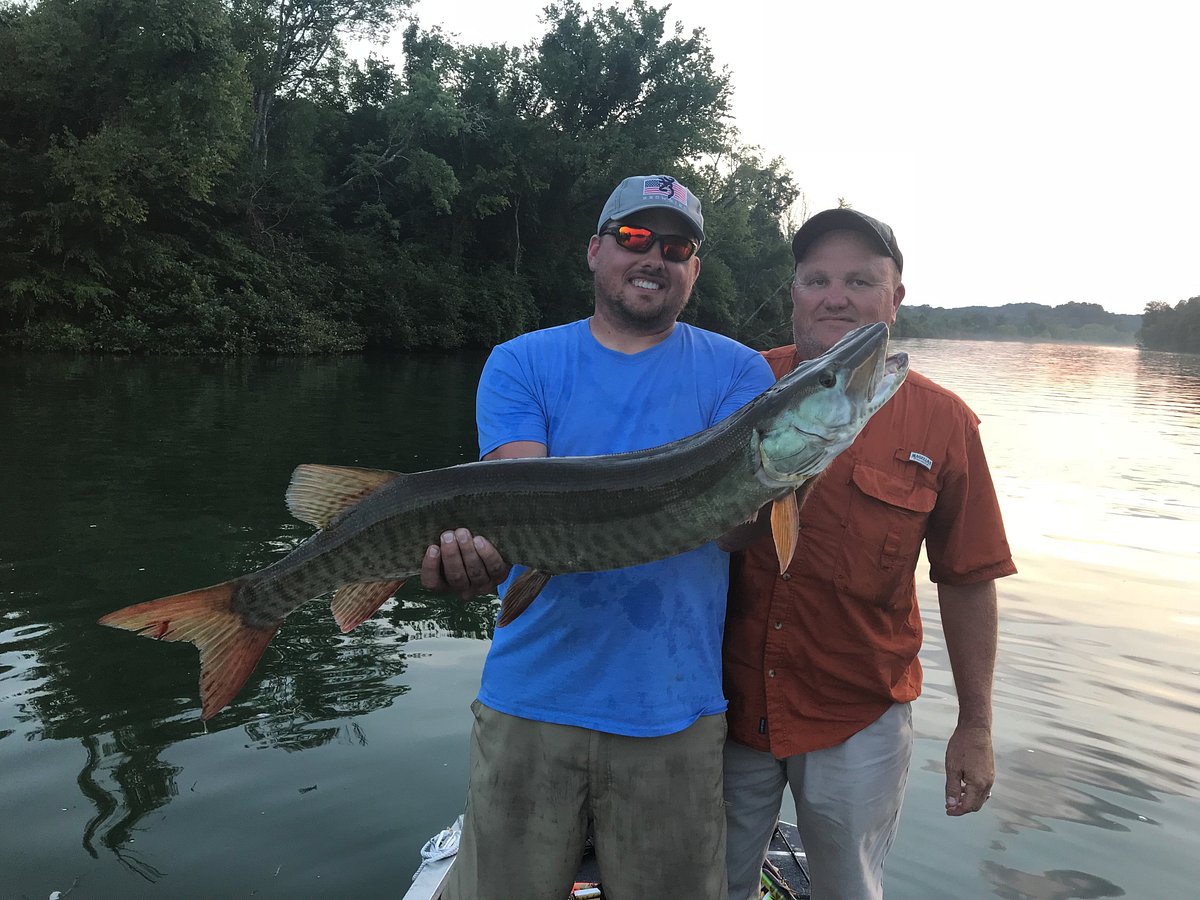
(1073, 322)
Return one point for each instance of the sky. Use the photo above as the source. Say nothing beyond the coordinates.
(1039, 152)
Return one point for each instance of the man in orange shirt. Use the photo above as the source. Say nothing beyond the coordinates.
(820, 662)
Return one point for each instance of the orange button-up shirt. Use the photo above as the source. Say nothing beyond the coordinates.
(819, 653)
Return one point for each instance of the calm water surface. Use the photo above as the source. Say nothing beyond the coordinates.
(124, 480)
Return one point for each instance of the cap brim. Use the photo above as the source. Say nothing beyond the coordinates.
(642, 207)
(838, 220)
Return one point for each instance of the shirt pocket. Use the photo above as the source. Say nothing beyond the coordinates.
(885, 524)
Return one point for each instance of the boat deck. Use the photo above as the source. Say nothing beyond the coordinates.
(786, 867)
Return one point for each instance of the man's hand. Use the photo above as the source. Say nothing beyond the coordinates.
(463, 564)
(970, 770)
(969, 622)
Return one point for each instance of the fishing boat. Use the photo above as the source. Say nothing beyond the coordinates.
(784, 875)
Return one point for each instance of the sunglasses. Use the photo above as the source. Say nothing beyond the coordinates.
(674, 247)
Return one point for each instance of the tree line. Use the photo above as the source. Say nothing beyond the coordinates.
(1160, 327)
(1083, 322)
(217, 176)
(1176, 328)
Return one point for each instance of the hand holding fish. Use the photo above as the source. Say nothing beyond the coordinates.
(463, 564)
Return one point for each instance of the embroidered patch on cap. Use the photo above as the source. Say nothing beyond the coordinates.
(667, 188)
(921, 459)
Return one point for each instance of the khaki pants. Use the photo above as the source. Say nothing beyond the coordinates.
(848, 801)
(655, 805)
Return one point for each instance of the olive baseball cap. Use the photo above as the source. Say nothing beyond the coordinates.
(641, 192)
(846, 219)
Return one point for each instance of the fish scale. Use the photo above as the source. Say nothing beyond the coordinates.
(534, 518)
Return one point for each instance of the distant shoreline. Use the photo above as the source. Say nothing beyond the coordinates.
(996, 338)
(1076, 323)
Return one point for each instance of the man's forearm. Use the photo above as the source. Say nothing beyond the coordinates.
(969, 621)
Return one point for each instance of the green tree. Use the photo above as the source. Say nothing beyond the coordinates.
(287, 43)
(744, 290)
(442, 205)
(1171, 328)
(122, 116)
(615, 93)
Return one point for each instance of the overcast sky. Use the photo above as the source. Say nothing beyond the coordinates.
(1026, 151)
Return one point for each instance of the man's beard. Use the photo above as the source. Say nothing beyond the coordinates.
(808, 347)
(646, 321)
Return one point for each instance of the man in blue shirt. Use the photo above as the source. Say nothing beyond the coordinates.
(602, 703)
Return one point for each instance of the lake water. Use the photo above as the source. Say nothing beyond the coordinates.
(127, 479)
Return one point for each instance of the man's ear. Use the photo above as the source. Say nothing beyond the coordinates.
(897, 299)
(592, 250)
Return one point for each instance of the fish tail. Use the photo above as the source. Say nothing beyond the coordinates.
(229, 647)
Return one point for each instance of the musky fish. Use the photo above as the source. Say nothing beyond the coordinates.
(553, 514)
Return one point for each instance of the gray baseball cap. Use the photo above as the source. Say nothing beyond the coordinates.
(639, 192)
(846, 219)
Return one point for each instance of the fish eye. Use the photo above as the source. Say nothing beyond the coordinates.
(827, 379)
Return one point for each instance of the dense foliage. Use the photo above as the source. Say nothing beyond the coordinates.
(1171, 328)
(1085, 322)
(215, 176)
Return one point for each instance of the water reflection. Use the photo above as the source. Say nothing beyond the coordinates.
(1013, 884)
(124, 784)
(1094, 452)
(172, 476)
(316, 688)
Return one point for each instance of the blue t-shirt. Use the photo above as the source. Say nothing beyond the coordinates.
(633, 651)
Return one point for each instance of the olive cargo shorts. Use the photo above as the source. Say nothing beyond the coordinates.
(655, 804)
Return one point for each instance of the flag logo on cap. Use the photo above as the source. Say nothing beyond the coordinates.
(666, 188)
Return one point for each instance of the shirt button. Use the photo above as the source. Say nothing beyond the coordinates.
(778, 625)
(786, 576)
(771, 673)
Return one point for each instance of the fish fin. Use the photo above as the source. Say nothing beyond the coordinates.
(785, 528)
(229, 648)
(317, 494)
(355, 603)
(520, 594)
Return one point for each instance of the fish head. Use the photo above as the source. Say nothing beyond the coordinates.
(816, 411)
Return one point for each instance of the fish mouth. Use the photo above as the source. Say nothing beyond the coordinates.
(872, 376)
(892, 375)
